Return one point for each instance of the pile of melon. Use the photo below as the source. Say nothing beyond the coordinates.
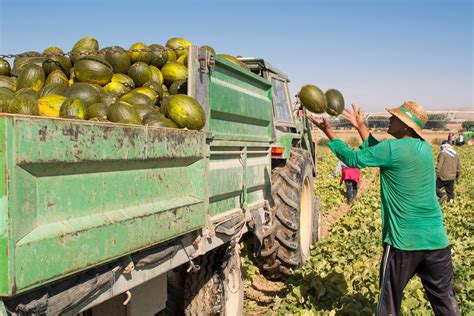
(145, 84)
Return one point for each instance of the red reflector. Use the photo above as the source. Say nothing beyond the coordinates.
(278, 151)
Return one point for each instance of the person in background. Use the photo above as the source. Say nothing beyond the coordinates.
(351, 177)
(448, 170)
(413, 233)
(460, 139)
(454, 140)
(450, 138)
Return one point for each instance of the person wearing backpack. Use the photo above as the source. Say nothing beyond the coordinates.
(448, 170)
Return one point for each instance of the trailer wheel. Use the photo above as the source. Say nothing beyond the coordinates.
(217, 288)
(295, 217)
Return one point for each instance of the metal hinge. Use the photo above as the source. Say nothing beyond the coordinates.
(207, 62)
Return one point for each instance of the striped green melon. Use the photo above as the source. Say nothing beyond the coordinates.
(25, 59)
(23, 104)
(97, 110)
(233, 60)
(73, 108)
(171, 56)
(86, 92)
(118, 58)
(185, 111)
(156, 75)
(135, 98)
(178, 45)
(57, 77)
(140, 73)
(86, 45)
(140, 52)
(32, 76)
(158, 120)
(143, 110)
(156, 86)
(313, 99)
(116, 89)
(123, 79)
(93, 71)
(159, 56)
(4, 67)
(8, 82)
(183, 59)
(335, 102)
(5, 96)
(50, 105)
(121, 111)
(56, 61)
(174, 71)
(52, 89)
(29, 92)
(179, 87)
(209, 49)
(149, 92)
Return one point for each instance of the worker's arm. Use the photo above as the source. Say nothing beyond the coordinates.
(355, 117)
(323, 125)
(369, 142)
(375, 156)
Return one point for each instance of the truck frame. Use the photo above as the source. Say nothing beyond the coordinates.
(111, 219)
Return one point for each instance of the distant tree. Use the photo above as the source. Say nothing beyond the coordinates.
(340, 123)
(378, 122)
(437, 121)
(468, 125)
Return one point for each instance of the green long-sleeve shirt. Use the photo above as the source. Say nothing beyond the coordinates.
(411, 214)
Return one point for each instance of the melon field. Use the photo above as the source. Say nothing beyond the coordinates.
(341, 277)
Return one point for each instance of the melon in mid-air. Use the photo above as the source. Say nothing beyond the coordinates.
(313, 99)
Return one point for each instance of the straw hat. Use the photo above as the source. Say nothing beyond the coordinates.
(413, 115)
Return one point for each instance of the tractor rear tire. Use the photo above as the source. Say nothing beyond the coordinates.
(295, 217)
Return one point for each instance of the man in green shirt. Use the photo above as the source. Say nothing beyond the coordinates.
(413, 232)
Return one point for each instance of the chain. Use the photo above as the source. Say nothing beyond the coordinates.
(89, 53)
(7, 56)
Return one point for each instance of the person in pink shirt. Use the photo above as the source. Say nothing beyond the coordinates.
(351, 177)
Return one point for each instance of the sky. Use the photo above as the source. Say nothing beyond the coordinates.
(378, 53)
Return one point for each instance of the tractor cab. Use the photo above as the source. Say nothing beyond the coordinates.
(290, 126)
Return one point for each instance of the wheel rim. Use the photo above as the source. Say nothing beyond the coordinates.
(305, 218)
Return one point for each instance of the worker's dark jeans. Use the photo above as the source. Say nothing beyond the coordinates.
(448, 185)
(351, 190)
(435, 269)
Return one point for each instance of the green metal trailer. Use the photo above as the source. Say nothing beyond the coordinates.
(103, 218)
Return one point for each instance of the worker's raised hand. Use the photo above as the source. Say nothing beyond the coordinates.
(321, 124)
(354, 116)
